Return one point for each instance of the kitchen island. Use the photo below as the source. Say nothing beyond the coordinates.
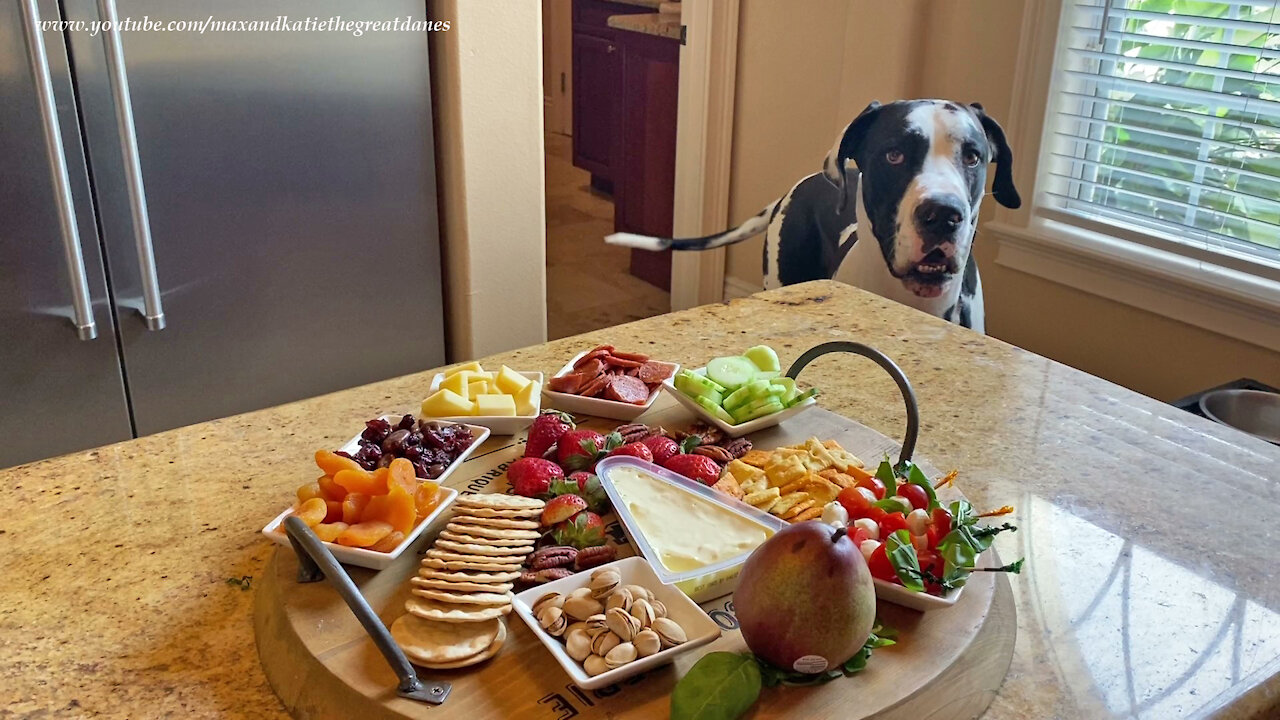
(1149, 591)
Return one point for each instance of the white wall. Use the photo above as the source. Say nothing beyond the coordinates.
(487, 71)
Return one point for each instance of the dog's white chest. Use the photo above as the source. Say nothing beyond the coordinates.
(865, 267)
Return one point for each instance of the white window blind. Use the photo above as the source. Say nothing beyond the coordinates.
(1167, 119)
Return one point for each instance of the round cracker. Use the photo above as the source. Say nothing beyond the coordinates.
(498, 501)
(480, 657)
(485, 550)
(442, 642)
(470, 564)
(459, 585)
(492, 532)
(496, 522)
(464, 598)
(475, 540)
(508, 560)
(471, 577)
(491, 513)
(449, 612)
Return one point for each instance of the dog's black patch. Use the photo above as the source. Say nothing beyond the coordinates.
(885, 184)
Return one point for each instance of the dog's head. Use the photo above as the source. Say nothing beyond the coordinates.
(924, 171)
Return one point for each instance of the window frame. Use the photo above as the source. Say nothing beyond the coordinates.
(1198, 282)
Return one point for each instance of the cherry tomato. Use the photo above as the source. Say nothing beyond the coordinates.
(873, 484)
(891, 523)
(941, 518)
(854, 502)
(859, 535)
(916, 494)
(880, 566)
(934, 536)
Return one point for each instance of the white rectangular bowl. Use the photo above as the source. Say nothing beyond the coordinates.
(740, 429)
(697, 625)
(922, 601)
(361, 557)
(499, 424)
(598, 407)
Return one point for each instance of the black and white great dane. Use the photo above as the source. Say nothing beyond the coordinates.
(919, 175)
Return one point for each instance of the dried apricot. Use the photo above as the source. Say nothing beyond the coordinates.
(426, 498)
(396, 508)
(335, 511)
(330, 531)
(332, 463)
(361, 481)
(364, 534)
(353, 507)
(388, 543)
(313, 511)
(308, 491)
(330, 489)
(400, 472)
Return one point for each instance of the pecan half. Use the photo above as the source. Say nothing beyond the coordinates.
(552, 574)
(737, 447)
(552, 556)
(593, 556)
(633, 432)
(715, 452)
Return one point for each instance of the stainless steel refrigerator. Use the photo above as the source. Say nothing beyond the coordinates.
(196, 225)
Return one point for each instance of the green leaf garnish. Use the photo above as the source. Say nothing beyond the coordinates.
(720, 686)
(902, 555)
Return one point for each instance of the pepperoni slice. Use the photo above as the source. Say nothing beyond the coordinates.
(655, 372)
(569, 383)
(637, 357)
(594, 387)
(622, 362)
(591, 368)
(601, 351)
(627, 389)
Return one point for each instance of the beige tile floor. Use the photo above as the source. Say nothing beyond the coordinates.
(588, 286)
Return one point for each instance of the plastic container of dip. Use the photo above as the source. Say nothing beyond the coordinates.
(703, 583)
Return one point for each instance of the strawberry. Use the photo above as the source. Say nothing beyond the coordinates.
(591, 490)
(532, 477)
(545, 431)
(579, 449)
(635, 449)
(699, 467)
(583, 530)
(661, 447)
(560, 508)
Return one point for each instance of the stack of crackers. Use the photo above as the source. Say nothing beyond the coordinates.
(463, 588)
(793, 482)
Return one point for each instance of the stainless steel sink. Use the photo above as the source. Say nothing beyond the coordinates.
(1253, 411)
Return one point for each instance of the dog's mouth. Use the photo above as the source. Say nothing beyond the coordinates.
(928, 276)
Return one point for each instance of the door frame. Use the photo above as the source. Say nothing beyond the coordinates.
(704, 144)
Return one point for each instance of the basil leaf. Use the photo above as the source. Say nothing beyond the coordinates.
(890, 504)
(885, 474)
(902, 555)
(916, 476)
(720, 686)
(962, 514)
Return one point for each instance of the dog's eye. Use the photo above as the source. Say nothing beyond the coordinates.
(972, 158)
(895, 157)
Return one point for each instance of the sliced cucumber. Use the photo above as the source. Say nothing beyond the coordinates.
(764, 358)
(738, 398)
(811, 392)
(716, 410)
(695, 385)
(758, 410)
(789, 386)
(732, 371)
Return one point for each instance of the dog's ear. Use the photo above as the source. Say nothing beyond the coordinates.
(1002, 188)
(846, 147)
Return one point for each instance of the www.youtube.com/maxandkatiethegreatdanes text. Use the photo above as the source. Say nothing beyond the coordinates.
(281, 23)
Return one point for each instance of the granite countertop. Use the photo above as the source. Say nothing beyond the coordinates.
(665, 25)
(1150, 588)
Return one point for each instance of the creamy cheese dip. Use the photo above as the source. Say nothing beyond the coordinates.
(686, 531)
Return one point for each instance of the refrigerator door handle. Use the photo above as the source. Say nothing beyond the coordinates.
(81, 307)
(152, 307)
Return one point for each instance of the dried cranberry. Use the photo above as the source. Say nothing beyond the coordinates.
(413, 452)
(376, 430)
(406, 423)
(395, 442)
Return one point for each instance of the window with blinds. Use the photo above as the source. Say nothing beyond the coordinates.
(1167, 118)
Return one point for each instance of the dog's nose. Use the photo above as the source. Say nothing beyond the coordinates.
(940, 215)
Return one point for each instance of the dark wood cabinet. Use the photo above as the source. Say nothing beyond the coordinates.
(595, 77)
(645, 176)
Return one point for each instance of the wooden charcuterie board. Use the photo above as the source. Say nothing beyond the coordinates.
(947, 664)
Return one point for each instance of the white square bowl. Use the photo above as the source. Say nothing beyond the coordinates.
(599, 407)
(361, 557)
(697, 625)
(922, 601)
(740, 429)
(499, 424)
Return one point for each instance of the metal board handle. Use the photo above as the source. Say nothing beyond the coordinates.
(81, 306)
(313, 559)
(152, 307)
(904, 385)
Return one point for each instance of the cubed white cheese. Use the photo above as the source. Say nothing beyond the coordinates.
(833, 513)
(873, 530)
(918, 521)
(867, 547)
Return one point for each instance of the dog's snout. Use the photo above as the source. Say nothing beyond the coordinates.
(940, 215)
